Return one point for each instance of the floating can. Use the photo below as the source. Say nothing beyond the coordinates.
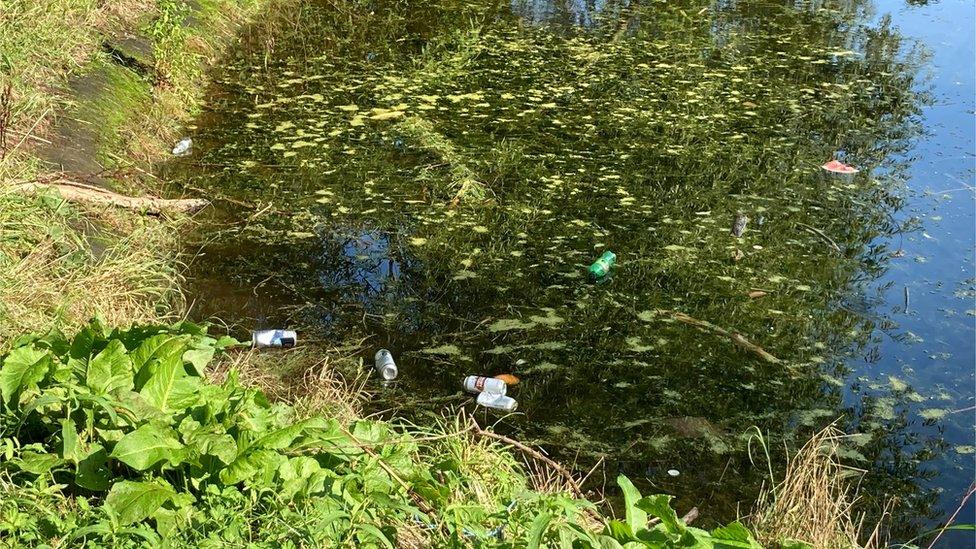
(497, 402)
(482, 384)
(601, 267)
(385, 365)
(273, 338)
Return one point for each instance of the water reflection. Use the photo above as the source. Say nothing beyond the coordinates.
(647, 140)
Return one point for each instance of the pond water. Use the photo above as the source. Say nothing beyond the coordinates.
(436, 177)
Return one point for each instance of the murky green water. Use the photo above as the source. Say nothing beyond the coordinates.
(436, 178)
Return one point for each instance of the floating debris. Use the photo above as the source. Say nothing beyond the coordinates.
(273, 338)
(497, 401)
(836, 166)
(509, 379)
(739, 225)
(482, 384)
(183, 147)
(601, 267)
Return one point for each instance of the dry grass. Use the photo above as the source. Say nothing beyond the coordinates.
(300, 377)
(54, 275)
(813, 502)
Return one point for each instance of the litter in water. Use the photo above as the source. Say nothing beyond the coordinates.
(739, 225)
(835, 166)
(601, 267)
(497, 402)
(182, 148)
(273, 338)
(481, 384)
(509, 379)
(385, 365)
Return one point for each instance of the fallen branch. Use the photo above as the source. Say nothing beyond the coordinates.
(73, 191)
(821, 234)
(736, 337)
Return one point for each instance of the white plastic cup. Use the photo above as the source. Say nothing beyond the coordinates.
(183, 147)
(482, 384)
(273, 338)
(385, 365)
(497, 402)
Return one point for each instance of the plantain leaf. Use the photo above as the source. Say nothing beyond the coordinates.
(110, 370)
(148, 445)
(23, 367)
(636, 517)
(660, 507)
(135, 501)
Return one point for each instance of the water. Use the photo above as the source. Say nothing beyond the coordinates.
(436, 180)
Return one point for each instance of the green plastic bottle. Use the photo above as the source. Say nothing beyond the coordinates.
(601, 267)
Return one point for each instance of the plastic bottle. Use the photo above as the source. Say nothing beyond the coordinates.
(385, 365)
(273, 338)
(481, 384)
(601, 267)
(497, 402)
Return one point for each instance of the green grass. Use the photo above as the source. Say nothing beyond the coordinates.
(57, 271)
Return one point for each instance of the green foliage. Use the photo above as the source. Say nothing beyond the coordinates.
(669, 530)
(116, 438)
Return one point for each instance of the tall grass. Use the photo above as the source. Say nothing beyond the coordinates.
(57, 270)
(814, 501)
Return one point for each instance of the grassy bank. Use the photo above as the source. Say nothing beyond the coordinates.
(96, 92)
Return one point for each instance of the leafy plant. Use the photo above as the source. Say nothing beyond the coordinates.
(117, 438)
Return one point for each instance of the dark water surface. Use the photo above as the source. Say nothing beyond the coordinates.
(645, 129)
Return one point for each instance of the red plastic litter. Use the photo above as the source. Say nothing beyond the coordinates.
(836, 166)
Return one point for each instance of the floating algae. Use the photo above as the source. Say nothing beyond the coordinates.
(450, 198)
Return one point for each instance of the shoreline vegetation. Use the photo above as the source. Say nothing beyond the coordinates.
(134, 430)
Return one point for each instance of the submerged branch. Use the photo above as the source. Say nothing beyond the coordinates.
(464, 181)
(706, 326)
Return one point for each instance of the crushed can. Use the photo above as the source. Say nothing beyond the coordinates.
(496, 401)
(273, 338)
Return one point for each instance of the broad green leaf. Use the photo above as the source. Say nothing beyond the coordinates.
(23, 367)
(92, 472)
(110, 370)
(136, 501)
(87, 340)
(158, 349)
(199, 358)
(734, 535)
(36, 463)
(264, 463)
(70, 445)
(538, 529)
(636, 517)
(660, 506)
(148, 445)
(621, 531)
(170, 388)
(222, 447)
